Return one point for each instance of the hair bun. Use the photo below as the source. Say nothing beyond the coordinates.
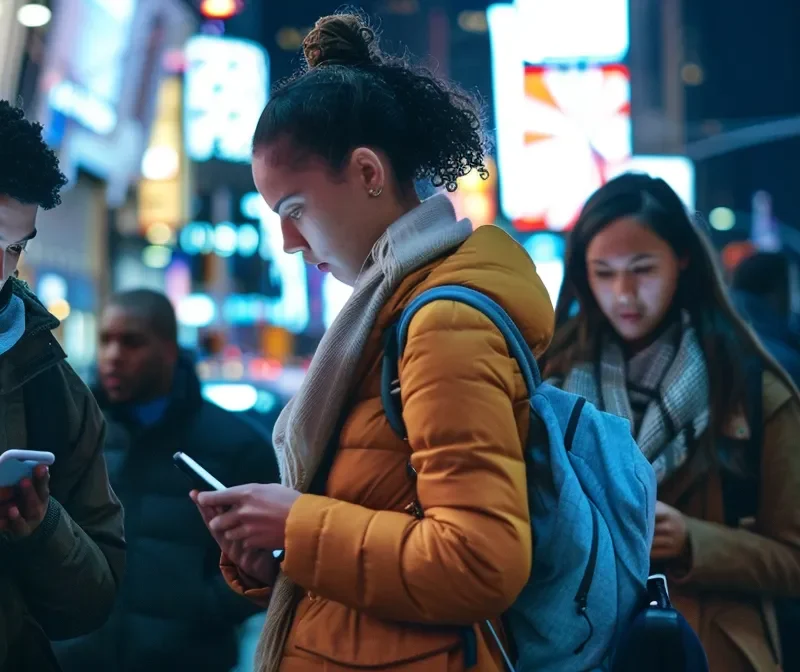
(341, 39)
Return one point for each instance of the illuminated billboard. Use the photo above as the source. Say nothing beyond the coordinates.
(100, 31)
(100, 77)
(226, 86)
(562, 109)
(575, 122)
(547, 251)
(569, 31)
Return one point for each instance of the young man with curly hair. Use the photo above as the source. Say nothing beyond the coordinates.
(62, 548)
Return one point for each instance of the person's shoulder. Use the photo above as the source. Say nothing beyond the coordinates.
(59, 383)
(494, 264)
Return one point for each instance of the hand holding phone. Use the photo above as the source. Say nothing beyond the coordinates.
(25, 497)
(16, 465)
(200, 479)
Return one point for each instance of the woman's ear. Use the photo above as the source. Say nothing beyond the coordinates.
(366, 166)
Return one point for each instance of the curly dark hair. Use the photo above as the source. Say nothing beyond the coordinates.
(29, 171)
(353, 95)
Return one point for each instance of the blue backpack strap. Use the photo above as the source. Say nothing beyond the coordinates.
(390, 383)
(517, 345)
(394, 339)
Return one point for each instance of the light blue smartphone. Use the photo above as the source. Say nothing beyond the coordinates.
(18, 464)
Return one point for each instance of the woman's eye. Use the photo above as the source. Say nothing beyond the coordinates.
(644, 270)
(16, 250)
(603, 275)
(296, 214)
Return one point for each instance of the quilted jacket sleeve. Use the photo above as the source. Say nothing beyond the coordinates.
(470, 556)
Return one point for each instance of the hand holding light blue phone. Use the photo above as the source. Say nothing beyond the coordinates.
(18, 464)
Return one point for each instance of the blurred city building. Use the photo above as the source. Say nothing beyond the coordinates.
(151, 106)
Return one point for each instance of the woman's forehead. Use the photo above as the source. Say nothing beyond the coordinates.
(624, 237)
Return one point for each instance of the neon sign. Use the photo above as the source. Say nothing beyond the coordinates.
(569, 31)
(79, 103)
(87, 88)
(226, 88)
(562, 105)
(287, 272)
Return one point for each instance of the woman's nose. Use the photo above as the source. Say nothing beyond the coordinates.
(293, 242)
(625, 289)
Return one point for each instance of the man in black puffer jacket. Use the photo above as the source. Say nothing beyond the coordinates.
(175, 611)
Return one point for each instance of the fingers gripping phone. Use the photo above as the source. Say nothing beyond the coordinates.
(18, 464)
(199, 477)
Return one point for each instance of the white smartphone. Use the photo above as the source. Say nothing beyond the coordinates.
(18, 464)
(200, 478)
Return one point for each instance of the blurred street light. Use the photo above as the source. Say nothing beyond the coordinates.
(692, 74)
(159, 233)
(34, 15)
(160, 163)
(722, 219)
(156, 256)
(473, 22)
(60, 309)
(220, 9)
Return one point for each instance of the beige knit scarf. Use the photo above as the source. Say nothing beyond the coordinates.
(305, 426)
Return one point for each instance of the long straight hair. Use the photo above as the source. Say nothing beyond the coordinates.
(726, 340)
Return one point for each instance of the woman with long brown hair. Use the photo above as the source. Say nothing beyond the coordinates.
(645, 330)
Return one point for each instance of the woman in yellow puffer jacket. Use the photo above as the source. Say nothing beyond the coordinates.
(359, 581)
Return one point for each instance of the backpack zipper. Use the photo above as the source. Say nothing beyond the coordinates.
(582, 596)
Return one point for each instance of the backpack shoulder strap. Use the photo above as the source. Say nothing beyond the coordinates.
(390, 381)
(394, 339)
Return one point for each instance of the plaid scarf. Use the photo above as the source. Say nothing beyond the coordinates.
(662, 391)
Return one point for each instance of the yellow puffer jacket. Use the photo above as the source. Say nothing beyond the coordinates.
(370, 569)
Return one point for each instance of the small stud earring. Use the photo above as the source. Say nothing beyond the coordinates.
(375, 192)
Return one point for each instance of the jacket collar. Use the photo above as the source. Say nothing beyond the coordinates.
(37, 350)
